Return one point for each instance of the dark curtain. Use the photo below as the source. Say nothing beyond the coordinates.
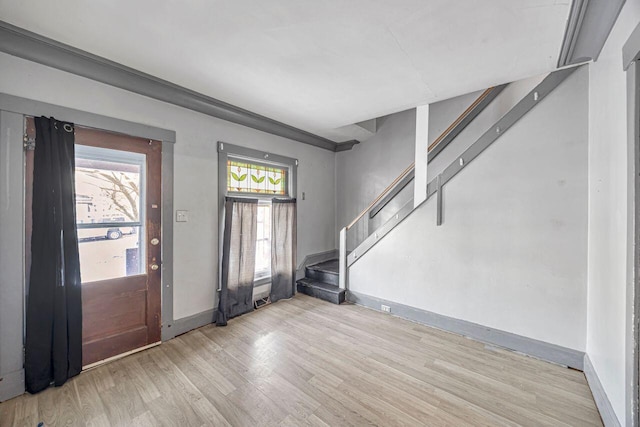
(238, 258)
(53, 350)
(283, 249)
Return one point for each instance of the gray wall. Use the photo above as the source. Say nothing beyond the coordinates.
(362, 173)
(195, 173)
(608, 217)
(11, 258)
(511, 254)
(443, 113)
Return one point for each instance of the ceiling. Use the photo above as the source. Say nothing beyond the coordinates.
(320, 66)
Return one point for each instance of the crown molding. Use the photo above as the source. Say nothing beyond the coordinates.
(25, 44)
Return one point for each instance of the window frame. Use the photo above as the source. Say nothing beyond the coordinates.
(120, 156)
(228, 152)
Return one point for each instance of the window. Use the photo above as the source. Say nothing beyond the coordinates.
(259, 180)
(263, 241)
(244, 172)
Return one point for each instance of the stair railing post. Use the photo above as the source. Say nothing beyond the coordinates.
(342, 260)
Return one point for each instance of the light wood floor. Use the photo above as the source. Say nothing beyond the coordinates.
(307, 362)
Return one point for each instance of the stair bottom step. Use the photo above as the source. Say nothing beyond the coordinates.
(321, 290)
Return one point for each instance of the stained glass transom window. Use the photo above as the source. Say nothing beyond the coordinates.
(244, 177)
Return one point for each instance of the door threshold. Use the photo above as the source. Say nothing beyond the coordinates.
(119, 356)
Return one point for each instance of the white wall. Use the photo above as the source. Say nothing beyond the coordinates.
(512, 252)
(607, 275)
(195, 173)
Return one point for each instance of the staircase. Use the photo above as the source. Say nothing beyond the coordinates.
(321, 281)
(329, 279)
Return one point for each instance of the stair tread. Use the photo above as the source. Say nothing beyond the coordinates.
(330, 266)
(320, 285)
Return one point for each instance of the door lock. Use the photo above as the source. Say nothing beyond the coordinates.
(155, 241)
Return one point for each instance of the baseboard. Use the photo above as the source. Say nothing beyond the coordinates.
(186, 324)
(315, 259)
(528, 346)
(607, 413)
(11, 385)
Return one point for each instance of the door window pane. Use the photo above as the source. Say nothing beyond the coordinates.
(110, 212)
(107, 191)
(109, 253)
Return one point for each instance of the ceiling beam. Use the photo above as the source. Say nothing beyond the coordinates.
(25, 44)
(370, 125)
(588, 27)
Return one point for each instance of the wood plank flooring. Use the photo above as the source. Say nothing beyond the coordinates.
(307, 362)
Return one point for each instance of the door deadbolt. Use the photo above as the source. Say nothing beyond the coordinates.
(155, 241)
(154, 267)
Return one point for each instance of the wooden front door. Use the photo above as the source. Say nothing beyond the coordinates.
(118, 213)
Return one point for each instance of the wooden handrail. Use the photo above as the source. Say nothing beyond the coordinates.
(460, 118)
(381, 195)
(408, 170)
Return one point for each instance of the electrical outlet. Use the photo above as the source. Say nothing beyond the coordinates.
(385, 308)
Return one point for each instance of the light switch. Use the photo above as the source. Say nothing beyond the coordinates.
(182, 216)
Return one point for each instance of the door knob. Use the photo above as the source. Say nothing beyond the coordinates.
(155, 241)
(154, 267)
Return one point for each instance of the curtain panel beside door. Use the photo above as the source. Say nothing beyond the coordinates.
(53, 349)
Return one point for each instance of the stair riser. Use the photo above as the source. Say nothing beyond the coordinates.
(322, 276)
(336, 298)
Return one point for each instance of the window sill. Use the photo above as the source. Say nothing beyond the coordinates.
(261, 281)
